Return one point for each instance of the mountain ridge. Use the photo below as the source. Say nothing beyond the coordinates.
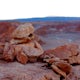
(45, 19)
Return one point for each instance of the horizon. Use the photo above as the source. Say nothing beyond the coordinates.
(56, 18)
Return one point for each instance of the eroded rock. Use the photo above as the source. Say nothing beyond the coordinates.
(68, 52)
(23, 31)
(22, 46)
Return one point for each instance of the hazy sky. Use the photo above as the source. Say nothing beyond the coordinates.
(12, 9)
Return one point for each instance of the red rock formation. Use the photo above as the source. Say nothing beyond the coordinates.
(52, 35)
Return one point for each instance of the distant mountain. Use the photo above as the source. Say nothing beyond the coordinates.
(45, 19)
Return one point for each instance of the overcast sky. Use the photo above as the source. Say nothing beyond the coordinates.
(12, 9)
